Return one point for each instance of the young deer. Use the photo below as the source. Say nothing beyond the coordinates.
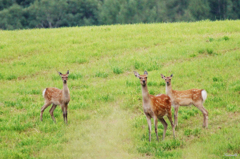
(155, 107)
(56, 97)
(194, 97)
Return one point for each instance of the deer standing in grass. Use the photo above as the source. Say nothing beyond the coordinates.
(194, 97)
(155, 107)
(56, 97)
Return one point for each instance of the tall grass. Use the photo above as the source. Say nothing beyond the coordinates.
(106, 119)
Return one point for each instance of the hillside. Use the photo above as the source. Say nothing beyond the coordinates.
(105, 113)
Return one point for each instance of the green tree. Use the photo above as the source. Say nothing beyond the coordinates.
(24, 3)
(132, 11)
(4, 4)
(145, 11)
(199, 9)
(233, 9)
(175, 9)
(49, 14)
(12, 18)
(220, 9)
(82, 12)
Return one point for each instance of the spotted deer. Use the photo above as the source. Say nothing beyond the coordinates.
(56, 97)
(155, 107)
(194, 97)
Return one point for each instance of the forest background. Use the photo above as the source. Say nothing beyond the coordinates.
(25, 14)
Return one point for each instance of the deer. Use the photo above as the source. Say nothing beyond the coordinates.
(189, 97)
(155, 107)
(56, 97)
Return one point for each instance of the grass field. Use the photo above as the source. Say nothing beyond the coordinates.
(105, 113)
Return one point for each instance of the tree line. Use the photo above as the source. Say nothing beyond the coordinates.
(24, 14)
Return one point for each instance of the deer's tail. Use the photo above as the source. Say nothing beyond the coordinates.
(204, 95)
(43, 93)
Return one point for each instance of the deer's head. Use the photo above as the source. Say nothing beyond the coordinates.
(64, 76)
(142, 78)
(167, 79)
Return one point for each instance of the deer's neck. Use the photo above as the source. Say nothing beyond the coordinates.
(169, 90)
(65, 91)
(145, 94)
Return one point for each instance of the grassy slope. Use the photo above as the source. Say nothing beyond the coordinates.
(105, 112)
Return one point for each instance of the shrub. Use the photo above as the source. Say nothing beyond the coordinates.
(101, 74)
(105, 98)
(236, 88)
(196, 132)
(225, 38)
(9, 103)
(215, 79)
(151, 83)
(151, 92)
(209, 51)
(201, 51)
(193, 55)
(81, 60)
(1, 76)
(75, 76)
(117, 70)
(137, 65)
(185, 116)
(187, 132)
(211, 39)
(231, 108)
(173, 144)
(34, 91)
(11, 77)
(162, 84)
(131, 83)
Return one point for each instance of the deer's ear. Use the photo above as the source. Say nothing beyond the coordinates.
(68, 72)
(60, 73)
(162, 76)
(145, 73)
(171, 75)
(136, 74)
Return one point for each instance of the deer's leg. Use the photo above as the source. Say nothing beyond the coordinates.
(43, 108)
(205, 114)
(63, 113)
(149, 126)
(66, 113)
(171, 121)
(176, 115)
(205, 117)
(165, 126)
(155, 123)
(64, 110)
(51, 112)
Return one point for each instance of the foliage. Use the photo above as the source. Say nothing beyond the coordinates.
(12, 18)
(199, 9)
(23, 14)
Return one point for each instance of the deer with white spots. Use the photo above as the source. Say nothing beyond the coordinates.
(56, 97)
(155, 107)
(194, 97)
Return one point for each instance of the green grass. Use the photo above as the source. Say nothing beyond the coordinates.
(105, 113)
